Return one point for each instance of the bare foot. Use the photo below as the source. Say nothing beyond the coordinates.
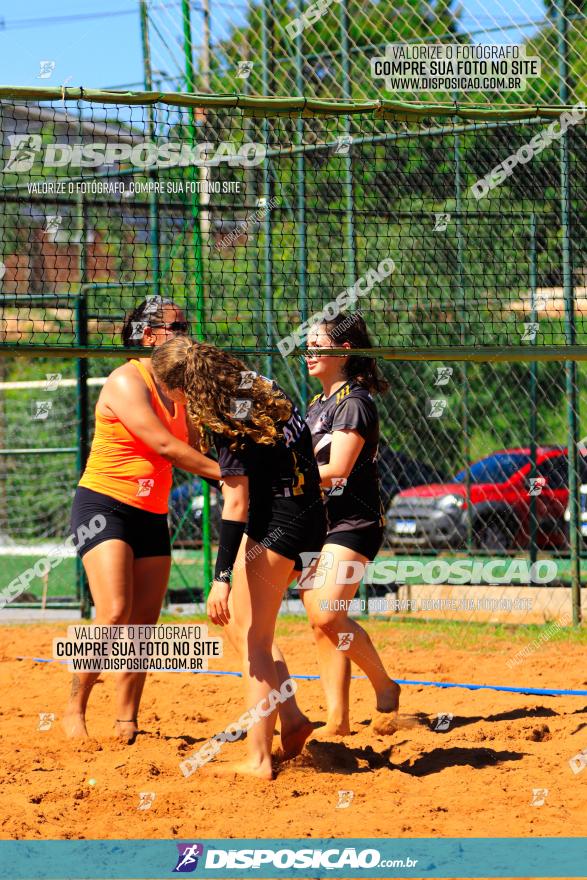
(126, 731)
(238, 769)
(74, 725)
(333, 728)
(386, 720)
(341, 728)
(389, 700)
(293, 741)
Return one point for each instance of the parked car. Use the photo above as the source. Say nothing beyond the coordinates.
(398, 471)
(186, 502)
(436, 515)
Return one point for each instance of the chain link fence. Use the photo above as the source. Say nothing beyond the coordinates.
(40, 460)
(511, 505)
(324, 49)
(474, 456)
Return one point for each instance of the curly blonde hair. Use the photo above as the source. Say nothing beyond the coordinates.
(212, 381)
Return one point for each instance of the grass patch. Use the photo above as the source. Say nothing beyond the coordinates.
(454, 634)
(186, 573)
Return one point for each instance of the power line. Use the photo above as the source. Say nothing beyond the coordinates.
(62, 19)
(80, 16)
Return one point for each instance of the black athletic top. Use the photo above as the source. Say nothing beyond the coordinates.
(287, 469)
(358, 505)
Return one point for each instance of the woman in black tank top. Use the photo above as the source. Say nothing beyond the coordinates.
(345, 432)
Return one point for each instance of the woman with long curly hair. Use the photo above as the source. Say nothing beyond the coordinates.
(273, 511)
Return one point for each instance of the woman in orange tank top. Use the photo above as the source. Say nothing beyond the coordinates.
(120, 505)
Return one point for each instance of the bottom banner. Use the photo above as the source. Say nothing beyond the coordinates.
(302, 858)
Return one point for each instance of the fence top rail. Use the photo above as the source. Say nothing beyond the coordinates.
(470, 353)
(269, 106)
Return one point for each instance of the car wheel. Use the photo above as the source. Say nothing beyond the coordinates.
(493, 536)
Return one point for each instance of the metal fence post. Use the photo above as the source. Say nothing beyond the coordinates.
(198, 273)
(464, 365)
(533, 390)
(570, 328)
(267, 193)
(154, 230)
(351, 271)
(82, 398)
(301, 207)
(348, 181)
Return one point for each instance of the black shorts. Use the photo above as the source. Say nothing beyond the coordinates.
(291, 526)
(146, 533)
(365, 541)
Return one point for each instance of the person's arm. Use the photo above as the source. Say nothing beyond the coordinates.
(345, 448)
(353, 420)
(129, 399)
(235, 492)
(235, 511)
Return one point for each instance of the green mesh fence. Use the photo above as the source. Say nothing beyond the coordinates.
(255, 214)
(457, 232)
(270, 46)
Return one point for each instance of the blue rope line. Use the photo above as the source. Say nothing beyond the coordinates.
(543, 692)
(552, 692)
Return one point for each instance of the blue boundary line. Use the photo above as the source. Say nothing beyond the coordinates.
(543, 692)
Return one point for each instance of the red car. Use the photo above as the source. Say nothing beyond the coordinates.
(498, 507)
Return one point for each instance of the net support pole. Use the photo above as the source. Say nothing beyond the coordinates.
(464, 366)
(205, 171)
(266, 192)
(154, 229)
(533, 389)
(570, 327)
(82, 398)
(4, 367)
(351, 265)
(198, 270)
(251, 193)
(301, 208)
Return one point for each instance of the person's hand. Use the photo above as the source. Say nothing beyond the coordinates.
(217, 605)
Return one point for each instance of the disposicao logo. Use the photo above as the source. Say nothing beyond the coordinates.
(187, 860)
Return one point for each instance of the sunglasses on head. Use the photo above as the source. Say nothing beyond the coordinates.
(174, 326)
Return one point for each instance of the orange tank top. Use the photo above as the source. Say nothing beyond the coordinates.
(123, 467)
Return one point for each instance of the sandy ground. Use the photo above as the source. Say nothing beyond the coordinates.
(475, 779)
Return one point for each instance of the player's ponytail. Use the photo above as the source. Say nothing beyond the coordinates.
(353, 330)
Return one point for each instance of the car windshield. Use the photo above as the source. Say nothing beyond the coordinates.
(495, 468)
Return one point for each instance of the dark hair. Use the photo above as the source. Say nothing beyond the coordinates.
(352, 329)
(149, 312)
